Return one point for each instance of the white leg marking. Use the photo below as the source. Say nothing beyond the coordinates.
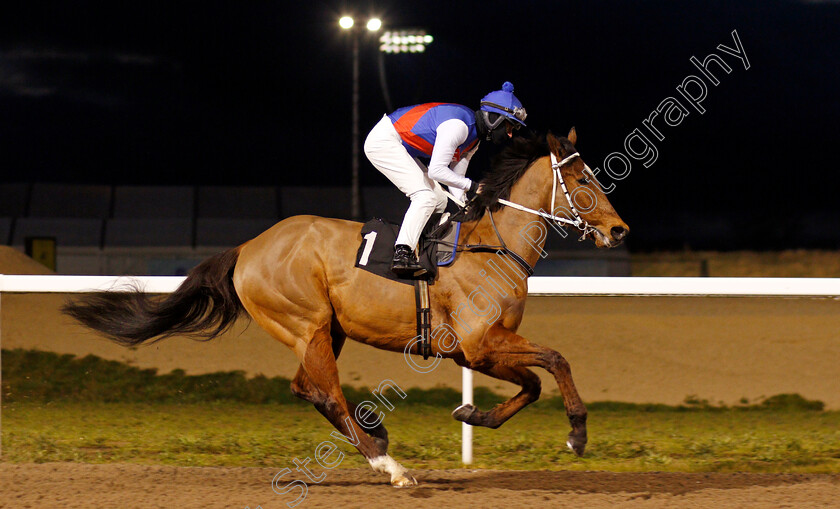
(386, 464)
(399, 475)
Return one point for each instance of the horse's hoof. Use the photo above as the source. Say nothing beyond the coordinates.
(463, 412)
(576, 446)
(403, 481)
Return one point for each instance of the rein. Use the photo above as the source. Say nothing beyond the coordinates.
(503, 248)
(578, 221)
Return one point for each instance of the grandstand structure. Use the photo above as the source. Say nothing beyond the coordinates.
(166, 230)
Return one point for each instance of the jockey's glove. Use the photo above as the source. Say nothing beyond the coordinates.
(472, 192)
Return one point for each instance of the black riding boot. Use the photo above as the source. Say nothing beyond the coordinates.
(405, 264)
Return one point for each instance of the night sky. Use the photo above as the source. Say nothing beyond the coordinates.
(259, 93)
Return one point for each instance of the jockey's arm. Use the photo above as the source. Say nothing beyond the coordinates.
(461, 169)
(450, 135)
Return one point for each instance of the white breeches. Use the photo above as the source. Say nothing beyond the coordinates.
(384, 149)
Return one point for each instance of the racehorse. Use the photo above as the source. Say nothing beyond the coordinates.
(298, 281)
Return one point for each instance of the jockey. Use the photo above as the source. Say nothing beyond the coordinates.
(446, 135)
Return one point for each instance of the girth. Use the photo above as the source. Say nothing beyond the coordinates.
(424, 317)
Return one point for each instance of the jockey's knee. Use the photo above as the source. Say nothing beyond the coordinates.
(424, 198)
(442, 200)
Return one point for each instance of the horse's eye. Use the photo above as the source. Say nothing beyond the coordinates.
(582, 181)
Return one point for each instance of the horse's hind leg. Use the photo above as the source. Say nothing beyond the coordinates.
(499, 414)
(501, 346)
(319, 364)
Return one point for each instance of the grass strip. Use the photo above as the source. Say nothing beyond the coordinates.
(422, 436)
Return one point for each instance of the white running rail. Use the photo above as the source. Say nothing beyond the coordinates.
(537, 285)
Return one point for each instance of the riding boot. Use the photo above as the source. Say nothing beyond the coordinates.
(405, 264)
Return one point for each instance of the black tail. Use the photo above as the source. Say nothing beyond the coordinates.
(205, 305)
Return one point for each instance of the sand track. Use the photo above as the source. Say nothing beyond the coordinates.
(70, 485)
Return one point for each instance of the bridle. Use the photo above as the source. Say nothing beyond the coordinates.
(578, 221)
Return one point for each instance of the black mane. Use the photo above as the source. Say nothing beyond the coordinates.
(506, 168)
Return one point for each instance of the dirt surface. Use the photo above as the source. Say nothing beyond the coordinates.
(68, 485)
(641, 350)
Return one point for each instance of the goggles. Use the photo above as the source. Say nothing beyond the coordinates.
(518, 113)
(512, 126)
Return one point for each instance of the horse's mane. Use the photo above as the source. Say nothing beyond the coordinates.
(506, 168)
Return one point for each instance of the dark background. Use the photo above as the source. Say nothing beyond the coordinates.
(259, 93)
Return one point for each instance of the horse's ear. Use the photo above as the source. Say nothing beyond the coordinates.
(572, 136)
(553, 144)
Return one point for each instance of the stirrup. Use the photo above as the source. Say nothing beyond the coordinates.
(409, 271)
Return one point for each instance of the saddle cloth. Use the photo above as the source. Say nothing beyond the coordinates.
(377, 247)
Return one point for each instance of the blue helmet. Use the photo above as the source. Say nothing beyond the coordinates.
(504, 103)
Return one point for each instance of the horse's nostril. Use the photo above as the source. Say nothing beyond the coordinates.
(618, 232)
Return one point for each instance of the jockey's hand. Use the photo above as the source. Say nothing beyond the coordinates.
(474, 190)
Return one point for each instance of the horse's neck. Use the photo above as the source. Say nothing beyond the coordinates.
(518, 229)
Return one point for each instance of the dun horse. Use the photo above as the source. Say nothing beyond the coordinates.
(298, 281)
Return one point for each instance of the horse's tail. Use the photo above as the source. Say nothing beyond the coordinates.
(205, 305)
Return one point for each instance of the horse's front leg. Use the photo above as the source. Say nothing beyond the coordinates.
(303, 388)
(317, 381)
(500, 346)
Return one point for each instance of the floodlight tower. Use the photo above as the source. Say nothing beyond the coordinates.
(373, 25)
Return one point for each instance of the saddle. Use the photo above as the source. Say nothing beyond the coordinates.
(436, 247)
